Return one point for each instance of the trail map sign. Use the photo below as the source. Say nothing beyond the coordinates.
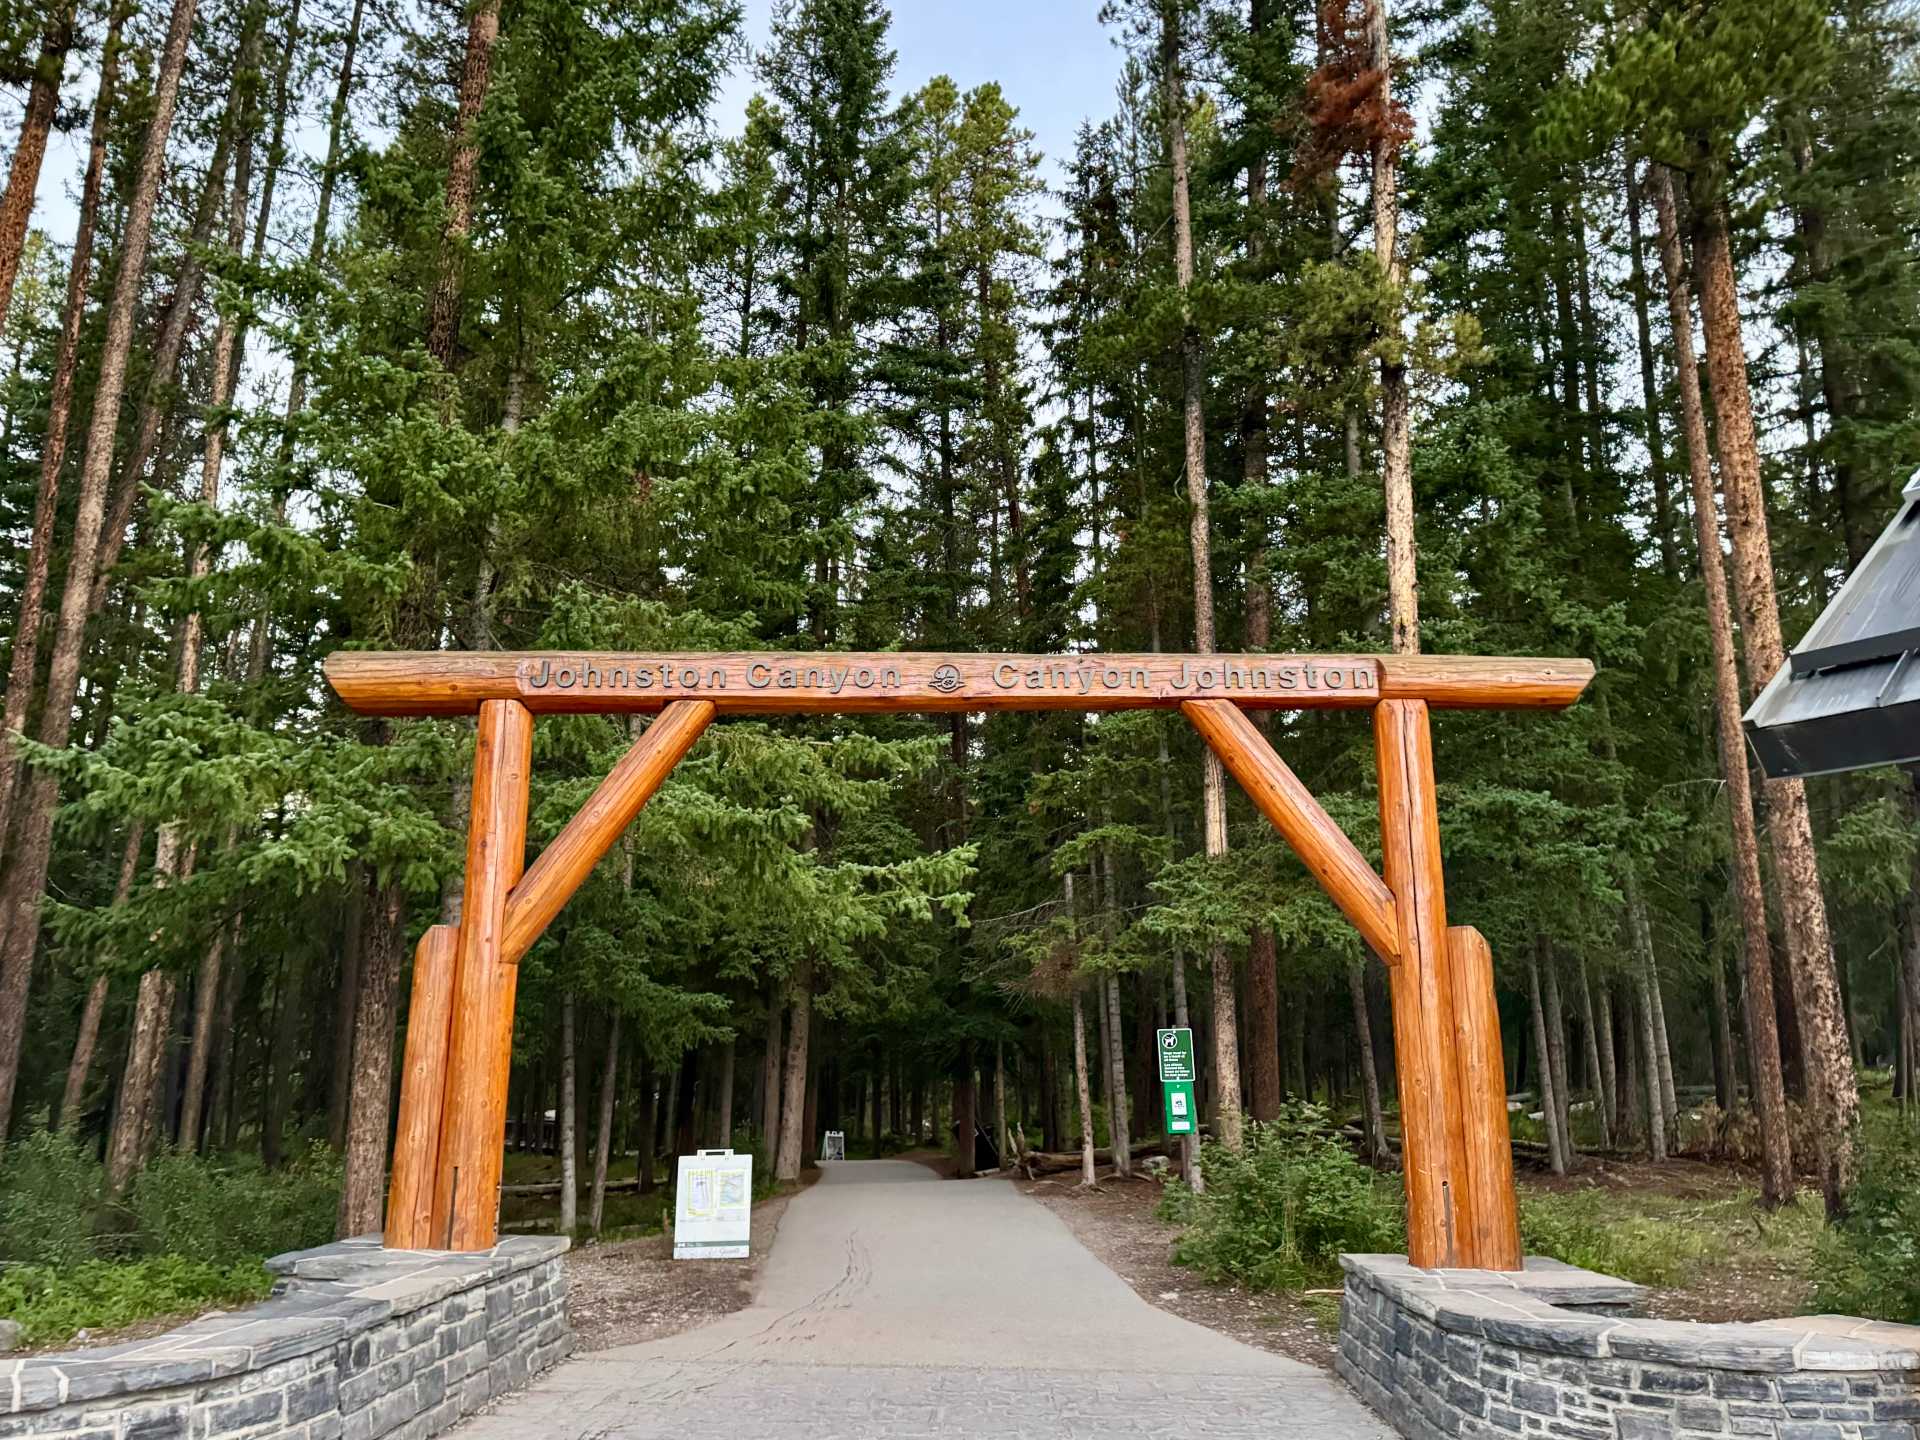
(713, 1206)
(833, 1145)
(448, 1140)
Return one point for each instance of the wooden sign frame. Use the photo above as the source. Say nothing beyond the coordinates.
(450, 1136)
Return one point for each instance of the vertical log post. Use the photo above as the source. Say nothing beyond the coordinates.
(423, 1091)
(1490, 1235)
(466, 1193)
(1424, 1032)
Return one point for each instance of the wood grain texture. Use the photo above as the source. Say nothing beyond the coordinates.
(1424, 1033)
(565, 864)
(1491, 1240)
(480, 1049)
(423, 1090)
(441, 682)
(1330, 857)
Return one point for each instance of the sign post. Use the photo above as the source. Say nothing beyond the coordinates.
(1175, 1048)
(713, 1206)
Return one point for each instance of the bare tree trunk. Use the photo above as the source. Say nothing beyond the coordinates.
(31, 610)
(1082, 1088)
(1816, 983)
(363, 1185)
(1396, 443)
(1609, 1057)
(723, 1099)
(793, 1112)
(443, 314)
(1650, 1063)
(1643, 940)
(206, 1006)
(1759, 1010)
(1599, 1059)
(23, 176)
(1117, 1096)
(134, 1121)
(1001, 1138)
(569, 1176)
(645, 1126)
(1226, 1057)
(1557, 1058)
(346, 1005)
(770, 1070)
(89, 1036)
(1543, 1066)
(1641, 292)
(1372, 1118)
(603, 1135)
(20, 902)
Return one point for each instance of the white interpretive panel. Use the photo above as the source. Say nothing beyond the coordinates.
(713, 1206)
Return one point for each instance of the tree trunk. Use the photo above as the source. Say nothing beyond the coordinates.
(23, 176)
(1118, 1097)
(282, 1058)
(443, 311)
(603, 1134)
(569, 1175)
(1226, 1059)
(1760, 1012)
(89, 1037)
(1373, 1118)
(1641, 292)
(644, 1129)
(793, 1110)
(770, 1071)
(1557, 1060)
(1082, 1088)
(31, 609)
(346, 1004)
(723, 1099)
(1816, 987)
(20, 902)
(1396, 442)
(206, 1005)
(1543, 1067)
(363, 1185)
(135, 1118)
(1599, 1059)
(965, 1115)
(1643, 980)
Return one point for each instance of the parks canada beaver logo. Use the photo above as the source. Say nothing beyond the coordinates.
(945, 679)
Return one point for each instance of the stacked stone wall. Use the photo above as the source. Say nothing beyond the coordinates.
(355, 1343)
(1557, 1351)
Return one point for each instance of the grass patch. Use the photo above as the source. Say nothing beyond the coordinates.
(53, 1303)
(1652, 1238)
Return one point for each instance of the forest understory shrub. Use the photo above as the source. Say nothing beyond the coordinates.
(192, 1233)
(1279, 1215)
(1869, 1263)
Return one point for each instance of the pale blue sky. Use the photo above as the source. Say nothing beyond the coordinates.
(1053, 58)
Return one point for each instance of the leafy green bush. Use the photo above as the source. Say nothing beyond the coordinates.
(216, 1209)
(1869, 1263)
(51, 1302)
(49, 1201)
(1278, 1215)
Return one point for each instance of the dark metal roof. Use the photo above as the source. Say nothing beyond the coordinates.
(1849, 695)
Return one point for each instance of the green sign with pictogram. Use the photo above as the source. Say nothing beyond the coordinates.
(1176, 1055)
(1179, 1102)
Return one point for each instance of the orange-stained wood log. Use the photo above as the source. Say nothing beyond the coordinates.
(440, 682)
(1433, 1140)
(551, 880)
(1343, 872)
(1493, 1240)
(423, 1090)
(473, 1132)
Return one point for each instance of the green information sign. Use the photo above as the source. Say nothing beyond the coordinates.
(1179, 1103)
(1176, 1055)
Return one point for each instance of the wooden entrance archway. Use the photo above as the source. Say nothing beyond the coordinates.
(1452, 1080)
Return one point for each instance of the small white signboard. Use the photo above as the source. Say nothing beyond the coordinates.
(833, 1146)
(713, 1209)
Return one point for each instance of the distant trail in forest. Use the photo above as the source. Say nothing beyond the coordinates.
(896, 1303)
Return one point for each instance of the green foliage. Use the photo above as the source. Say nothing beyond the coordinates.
(1587, 1228)
(52, 1302)
(1869, 1263)
(214, 1209)
(49, 1200)
(1279, 1215)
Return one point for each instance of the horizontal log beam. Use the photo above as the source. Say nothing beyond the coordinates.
(448, 682)
(565, 864)
(1323, 847)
